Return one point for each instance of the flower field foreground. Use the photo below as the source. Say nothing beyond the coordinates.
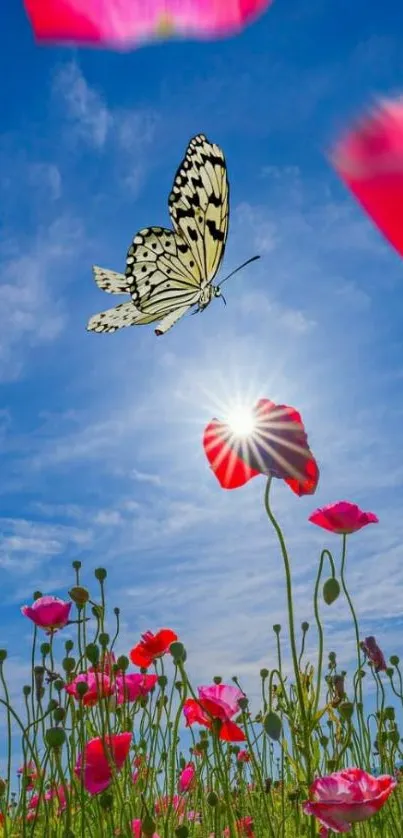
(102, 745)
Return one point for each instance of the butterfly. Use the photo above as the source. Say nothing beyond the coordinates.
(170, 271)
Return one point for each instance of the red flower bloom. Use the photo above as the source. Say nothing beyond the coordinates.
(152, 646)
(276, 446)
(93, 766)
(216, 702)
(374, 653)
(342, 517)
(369, 160)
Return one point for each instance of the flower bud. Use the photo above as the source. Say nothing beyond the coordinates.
(148, 826)
(104, 639)
(277, 628)
(162, 681)
(272, 725)
(123, 663)
(182, 832)
(390, 671)
(92, 652)
(331, 765)
(97, 611)
(26, 690)
(100, 574)
(45, 649)
(389, 713)
(59, 714)
(264, 673)
(394, 660)
(3, 655)
(305, 627)
(37, 595)
(3, 786)
(76, 565)
(55, 737)
(106, 800)
(346, 710)
(81, 688)
(69, 664)
(116, 611)
(243, 703)
(79, 595)
(178, 652)
(331, 590)
(68, 645)
(217, 679)
(212, 798)
(52, 705)
(58, 684)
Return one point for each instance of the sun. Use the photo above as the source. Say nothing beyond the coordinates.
(241, 420)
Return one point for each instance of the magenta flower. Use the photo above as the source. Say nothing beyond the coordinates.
(134, 686)
(187, 778)
(48, 612)
(374, 653)
(347, 797)
(125, 23)
(342, 518)
(98, 686)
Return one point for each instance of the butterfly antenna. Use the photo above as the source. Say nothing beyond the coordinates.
(248, 261)
(223, 299)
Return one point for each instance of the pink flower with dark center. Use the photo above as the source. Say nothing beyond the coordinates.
(48, 612)
(220, 702)
(342, 518)
(99, 686)
(94, 765)
(374, 654)
(134, 686)
(347, 797)
(122, 24)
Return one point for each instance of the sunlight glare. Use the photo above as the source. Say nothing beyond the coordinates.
(242, 421)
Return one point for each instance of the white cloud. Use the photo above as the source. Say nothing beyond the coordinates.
(84, 105)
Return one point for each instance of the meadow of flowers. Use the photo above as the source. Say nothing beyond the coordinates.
(102, 745)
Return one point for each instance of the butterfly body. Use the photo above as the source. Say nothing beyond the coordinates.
(170, 271)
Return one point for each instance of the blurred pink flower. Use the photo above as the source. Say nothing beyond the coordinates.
(125, 23)
(347, 797)
(99, 686)
(30, 774)
(105, 665)
(48, 612)
(58, 793)
(93, 765)
(137, 829)
(342, 517)
(244, 827)
(243, 756)
(133, 686)
(187, 778)
(374, 653)
(369, 160)
(218, 701)
(162, 804)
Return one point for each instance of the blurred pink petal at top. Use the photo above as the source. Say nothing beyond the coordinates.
(369, 160)
(126, 23)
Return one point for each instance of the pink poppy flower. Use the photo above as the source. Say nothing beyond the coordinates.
(93, 765)
(151, 647)
(126, 23)
(133, 686)
(187, 778)
(243, 756)
(347, 797)
(58, 793)
(48, 612)
(369, 160)
(99, 686)
(30, 774)
(105, 665)
(137, 829)
(218, 702)
(374, 654)
(342, 517)
(276, 445)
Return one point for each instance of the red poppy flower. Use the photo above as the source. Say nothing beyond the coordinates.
(276, 446)
(369, 160)
(152, 646)
(218, 701)
(93, 766)
(342, 517)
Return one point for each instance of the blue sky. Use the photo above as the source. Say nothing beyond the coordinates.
(100, 435)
